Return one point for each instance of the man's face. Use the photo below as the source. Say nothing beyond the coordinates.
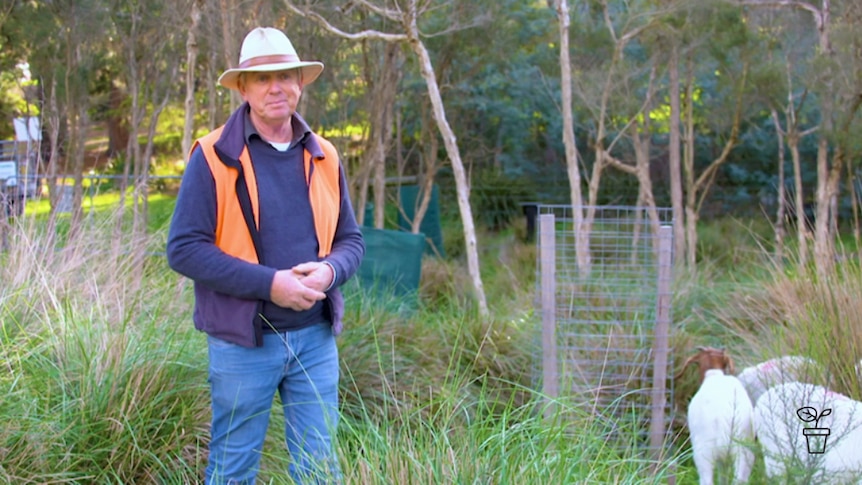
(272, 96)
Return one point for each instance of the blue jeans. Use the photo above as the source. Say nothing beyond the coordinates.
(303, 366)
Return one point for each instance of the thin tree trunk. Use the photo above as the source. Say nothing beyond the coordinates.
(229, 12)
(77, 140)
(53, 117)
(852, 180)
(427, 182)
(698, 190)
(688, 168)
(780, 193)
(191, 63)
(461, 182)
(380, 138)
(212, 92)
(674, 162)
(582, 240)
(798, 199)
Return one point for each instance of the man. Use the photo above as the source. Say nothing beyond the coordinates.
(264, 226)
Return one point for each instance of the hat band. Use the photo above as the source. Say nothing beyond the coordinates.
(274, 59)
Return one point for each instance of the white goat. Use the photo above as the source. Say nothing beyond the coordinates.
(785, 418)
(719, 417)
(757, 379)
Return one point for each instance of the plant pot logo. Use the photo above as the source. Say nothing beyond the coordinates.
(815, 437)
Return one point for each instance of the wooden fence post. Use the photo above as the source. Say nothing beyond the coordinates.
(548, 265)
(660, 344)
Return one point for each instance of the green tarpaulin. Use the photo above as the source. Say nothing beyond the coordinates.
(392, 262)
(430, 225)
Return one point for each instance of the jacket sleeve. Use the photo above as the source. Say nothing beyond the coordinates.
(348, 247)
(191, 248)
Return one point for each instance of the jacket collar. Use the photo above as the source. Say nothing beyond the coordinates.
(233, 138)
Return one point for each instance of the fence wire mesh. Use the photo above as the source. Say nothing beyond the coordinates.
(609, 311)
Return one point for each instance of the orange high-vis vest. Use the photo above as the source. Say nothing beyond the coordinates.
(324, 192)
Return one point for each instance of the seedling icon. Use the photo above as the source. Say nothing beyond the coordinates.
(816, 436)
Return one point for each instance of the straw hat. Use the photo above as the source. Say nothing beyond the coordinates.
(268, 49)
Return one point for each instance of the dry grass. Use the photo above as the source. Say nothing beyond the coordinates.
(802, 314)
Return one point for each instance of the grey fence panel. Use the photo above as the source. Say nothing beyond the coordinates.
(606, 312)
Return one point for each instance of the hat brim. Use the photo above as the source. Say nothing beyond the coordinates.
(310, 71)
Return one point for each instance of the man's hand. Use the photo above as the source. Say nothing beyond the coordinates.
(314, 275)
(290, 290)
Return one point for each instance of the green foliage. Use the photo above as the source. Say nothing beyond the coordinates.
(729, 241)
(495, 198)
(16, 99)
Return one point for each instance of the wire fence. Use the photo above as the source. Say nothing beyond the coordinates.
(605, 310)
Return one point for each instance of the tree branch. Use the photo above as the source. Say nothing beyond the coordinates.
(618, 164)
(818, 15)
(706, 178)
(394, 15)
(365, 34)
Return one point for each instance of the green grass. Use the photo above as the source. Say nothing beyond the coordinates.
(105, 379)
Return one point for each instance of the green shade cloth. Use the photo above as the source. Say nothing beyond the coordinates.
(430, 225)
(392, 262)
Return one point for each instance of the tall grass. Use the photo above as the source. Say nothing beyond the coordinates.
(758, 309)
(102, 384)
(105, 379)
(803, 313)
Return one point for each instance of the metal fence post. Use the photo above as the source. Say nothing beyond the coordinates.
(4, 215)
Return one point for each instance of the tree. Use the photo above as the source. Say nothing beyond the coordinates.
(707, 91)
(582, 241)
(616, 87)
(66, 54)
(381, 110)
(697, 186)
(407, 16)
(833, 77)
(191, 63)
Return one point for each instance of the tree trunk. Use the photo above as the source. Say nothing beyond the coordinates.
(191, 63)
(642, 172)
(229, 12)
(688, 169)
(799, 199)
(852, 180)
(426, 182)
(408, 18)
(780, 194)
(461, 182)
(697, 191)
(117, 122)
(582, 240)
(382, 109)
(674, 162)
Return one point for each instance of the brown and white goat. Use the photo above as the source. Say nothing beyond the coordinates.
(719, 417)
